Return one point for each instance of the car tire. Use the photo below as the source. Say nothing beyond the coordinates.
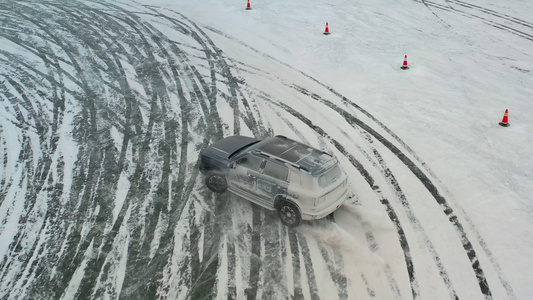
(216, 182)
(289, 214)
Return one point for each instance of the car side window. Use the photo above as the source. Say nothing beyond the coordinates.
(276, 171)
(250, 162)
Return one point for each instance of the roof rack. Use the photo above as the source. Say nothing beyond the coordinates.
(282, 160)
(286, 138)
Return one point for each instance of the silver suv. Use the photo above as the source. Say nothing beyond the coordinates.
(300, 182)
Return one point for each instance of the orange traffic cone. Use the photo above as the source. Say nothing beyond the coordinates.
(248, 5)
(505, 121)
(405, 66)
(327, 29)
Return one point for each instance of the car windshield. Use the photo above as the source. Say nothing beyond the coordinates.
(329, 177)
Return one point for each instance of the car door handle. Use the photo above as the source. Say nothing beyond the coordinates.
(251, 176)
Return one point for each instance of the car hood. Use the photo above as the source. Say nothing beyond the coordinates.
(226, 147)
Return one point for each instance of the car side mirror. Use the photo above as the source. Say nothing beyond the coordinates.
(231, 165)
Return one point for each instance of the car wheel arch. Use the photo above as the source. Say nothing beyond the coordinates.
(280, 199)
(214, 173)
(281, 205)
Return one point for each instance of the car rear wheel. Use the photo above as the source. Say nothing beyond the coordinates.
(216, 182)
(289, 214)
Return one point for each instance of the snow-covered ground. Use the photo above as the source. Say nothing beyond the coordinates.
(106, 105)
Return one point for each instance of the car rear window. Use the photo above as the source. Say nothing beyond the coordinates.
(329, 177)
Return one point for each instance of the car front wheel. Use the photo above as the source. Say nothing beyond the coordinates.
(216, 182)
(289, 214)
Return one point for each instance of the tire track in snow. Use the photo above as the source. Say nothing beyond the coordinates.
(96, 167)
(45, 219)
(106, 242)
(141, 262)
(372, 243)
(127, 94)
(139, 147)
(453, 219)
(392, 214)
(296, 266)
(224, 68)
(336, 273)
(303, 252)
(257, 128)
(443, 273)
(335, 267)
(493, 13)
(215, 235)
(496, 24)
(256, 263)
(412, 218)
(210, 90)
(309, 270)
(249, 119)
(434, 13)
(448, 211)
(374, 247)
(21, 123)
(117, 223)
(4, 184)
(40, 175)
(390, 211)
(180, 187)
(94, 172)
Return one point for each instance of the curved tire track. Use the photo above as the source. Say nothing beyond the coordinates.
(488, 16)
(138, 129)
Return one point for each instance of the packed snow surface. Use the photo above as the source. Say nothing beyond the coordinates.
(106, 105)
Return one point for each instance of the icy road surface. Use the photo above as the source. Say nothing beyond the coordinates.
(105, 107)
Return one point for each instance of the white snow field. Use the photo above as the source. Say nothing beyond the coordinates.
(106, 105)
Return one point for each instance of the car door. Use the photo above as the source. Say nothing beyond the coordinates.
(244, 174)
(272, 181)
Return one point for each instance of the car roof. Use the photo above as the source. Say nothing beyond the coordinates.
(297, 154)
